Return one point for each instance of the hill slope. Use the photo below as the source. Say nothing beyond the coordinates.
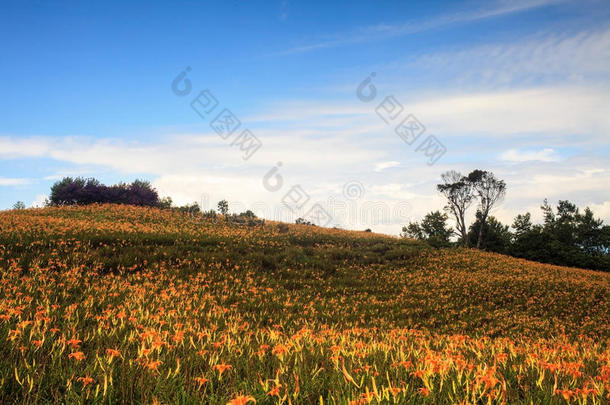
(126, 304)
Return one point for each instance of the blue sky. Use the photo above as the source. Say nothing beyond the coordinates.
(516, 87)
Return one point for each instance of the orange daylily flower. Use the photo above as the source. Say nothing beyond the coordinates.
(424, 391)
(201, 380)
(241, 400)
(275, 391)
(221, 368)
(74, 342)
(153, 365)
(86, 380)
(112, 353)
(77, 356)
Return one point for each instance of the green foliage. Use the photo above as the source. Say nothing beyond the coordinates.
(223, 207)
(81, 191)
(496, 237)
(19, 205)
(248, 214)
(432, 229)
(165, 203)
(303, 221)
(192, 209)
(567, 237)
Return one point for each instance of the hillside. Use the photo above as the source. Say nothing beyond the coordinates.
(125, 304)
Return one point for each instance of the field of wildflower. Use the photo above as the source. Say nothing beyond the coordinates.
(119, 304)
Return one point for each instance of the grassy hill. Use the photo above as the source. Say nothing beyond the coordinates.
(118, 304)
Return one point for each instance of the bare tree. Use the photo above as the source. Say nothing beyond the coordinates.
(489, 190)
(459, 193)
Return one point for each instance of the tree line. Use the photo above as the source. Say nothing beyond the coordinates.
(84, 191)
(567, 236)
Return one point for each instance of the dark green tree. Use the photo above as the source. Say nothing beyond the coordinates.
(496, 236)
(489, 191)
(223, 207)
(567, 237)
(433, 229)
(459, 194)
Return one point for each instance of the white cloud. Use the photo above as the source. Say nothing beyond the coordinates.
(381, 166)
(556, 112)
(548, 111)
(516, 155)
(39, 201)
(601, 210)
(6, 181)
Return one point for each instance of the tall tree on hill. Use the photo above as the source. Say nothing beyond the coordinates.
(223, 207)
(496, 236)
(459, 193)
(488, 190)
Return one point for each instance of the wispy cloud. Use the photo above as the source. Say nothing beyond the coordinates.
(385, 31)
(544, 57)
(558, 112)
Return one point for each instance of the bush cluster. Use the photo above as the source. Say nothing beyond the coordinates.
(81, 191)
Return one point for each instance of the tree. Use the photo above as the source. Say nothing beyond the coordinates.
(142, 193)
(459, 193)
(223, 207)
(19, 205)
(67, 191)
(522, 224)
(496, 236)
(248, 214)
(489, 190)
(166, 203)
(567, 237)
(70, 191)
(433, 229)
(192, 209)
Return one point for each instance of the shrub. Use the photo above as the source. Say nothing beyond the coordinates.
(80, 191)
(223, 207)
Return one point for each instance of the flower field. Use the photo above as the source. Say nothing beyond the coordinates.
(118, 304)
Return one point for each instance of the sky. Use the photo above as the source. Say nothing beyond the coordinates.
(345, 112)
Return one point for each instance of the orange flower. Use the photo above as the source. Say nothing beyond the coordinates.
(279, 350)
(86, 380)
(275, 391)
(405, 364)
(77, 356)
(74, 343)
(424, 391)
(241, 400)
(201, 380)
(112, 353)
(221, 368)
(153, 365)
